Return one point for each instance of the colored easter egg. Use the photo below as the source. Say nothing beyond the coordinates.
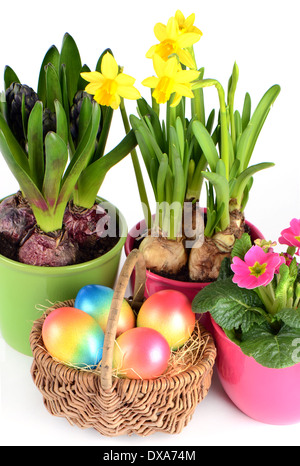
(96, 300)
(73, 337)
(170, 313)
(141, 353)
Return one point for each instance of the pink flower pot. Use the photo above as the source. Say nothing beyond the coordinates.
(156, 283)
(271, 396)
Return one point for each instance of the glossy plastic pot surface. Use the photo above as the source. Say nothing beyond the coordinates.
(271, 396)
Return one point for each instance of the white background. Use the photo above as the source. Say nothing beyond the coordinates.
(263, 38)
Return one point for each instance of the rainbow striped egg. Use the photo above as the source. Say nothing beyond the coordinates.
(96, 300)
(73, 337)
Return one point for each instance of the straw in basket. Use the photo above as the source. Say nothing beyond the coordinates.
(119, 406)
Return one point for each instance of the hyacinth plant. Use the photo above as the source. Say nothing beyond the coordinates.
(54, 142)
(171, 153)
(230, 176)
(256, 298)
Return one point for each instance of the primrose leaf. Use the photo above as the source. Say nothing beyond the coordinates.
(230, 306)
(273, 350)
(241, 246)
(290, 317)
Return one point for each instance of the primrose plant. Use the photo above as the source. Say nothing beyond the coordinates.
(256, 298)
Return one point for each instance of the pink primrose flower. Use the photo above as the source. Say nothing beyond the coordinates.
(257, 268)
(291, 236)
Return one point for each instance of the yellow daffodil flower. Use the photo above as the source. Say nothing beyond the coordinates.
(187, 25)
(174, 41)
(110, 85)
(170, 79)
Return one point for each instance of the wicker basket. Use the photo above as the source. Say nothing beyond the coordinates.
(115, 406)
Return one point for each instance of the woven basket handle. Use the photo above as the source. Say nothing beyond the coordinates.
(134, 260)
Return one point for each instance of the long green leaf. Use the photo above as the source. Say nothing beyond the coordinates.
(161, 179)
(246, 115)
(52, 56)
(56, 158)
(65, 103)
(243, 179)
(206, 143)
(61, 121)
(36, 144)
(251, 133)
(231, 94)
(84, 117)
(10, 77)
(81, 157)
(222, 195)
(18, 153)
(94, 174)
(53, 89)
(28, 187)
(70, 57)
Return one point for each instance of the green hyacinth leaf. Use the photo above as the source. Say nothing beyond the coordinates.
(84, 117)
(10, 77)
(81, 85)
(81, 158)
(18, 153)
(106, 115)
(56, 158)
(36, 144)
(52, 56)
(99, 63)
(93, 176)
(28, 187)
(62, 128)
(70, 57)
(53, 89)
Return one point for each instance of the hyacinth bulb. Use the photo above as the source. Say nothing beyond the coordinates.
(48, 250)
(85, 226)
(16, 220)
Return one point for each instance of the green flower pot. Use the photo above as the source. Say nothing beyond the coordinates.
(25, 290)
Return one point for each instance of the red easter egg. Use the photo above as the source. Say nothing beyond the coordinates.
(141, 353)
(170, 313)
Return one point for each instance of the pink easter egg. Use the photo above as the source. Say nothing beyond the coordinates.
(141, 353)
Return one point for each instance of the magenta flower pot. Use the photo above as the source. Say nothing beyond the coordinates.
(156, 283)
(271, 396)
